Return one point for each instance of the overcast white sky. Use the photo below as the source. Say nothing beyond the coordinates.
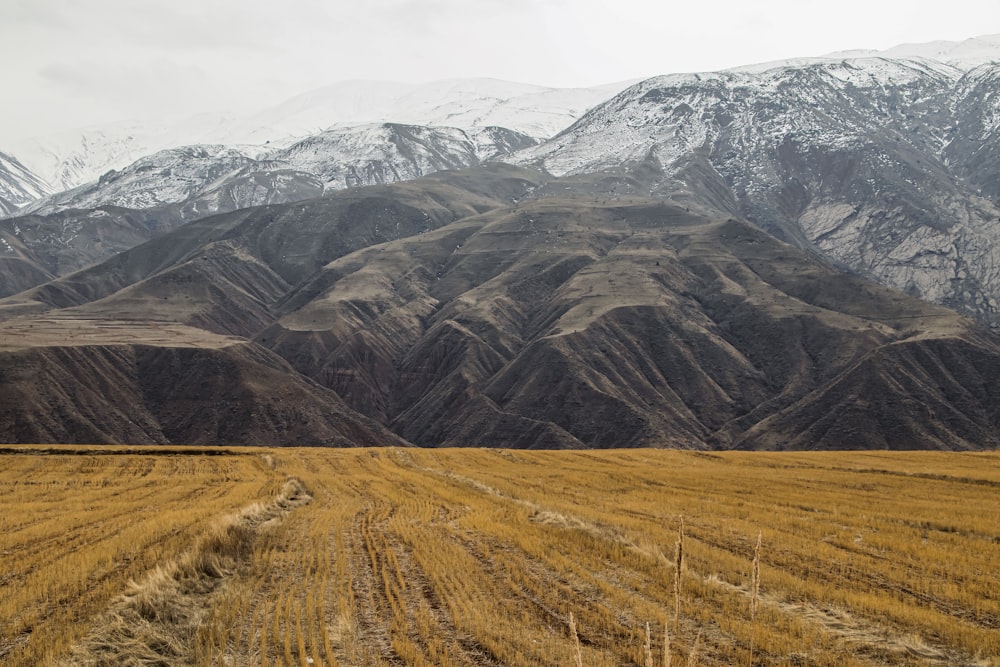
(68, 63)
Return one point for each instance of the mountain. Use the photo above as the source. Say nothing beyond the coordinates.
(203, 179)
(168, 176)
(70, 159)
(769, 257)
(216, 178)
(389, 152)
(887, 167)
(18, 185)
(73, 229)
(496, 306)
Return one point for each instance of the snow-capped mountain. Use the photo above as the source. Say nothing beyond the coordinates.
(386, 153)
(670, 117)
(468, 104)
(18, 185)
(885, 166)
(68, 159)
(168, 176)
(216, 178)
(71, 159)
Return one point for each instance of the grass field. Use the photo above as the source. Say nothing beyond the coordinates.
(475, 557)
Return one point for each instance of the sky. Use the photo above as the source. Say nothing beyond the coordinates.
(70, 63)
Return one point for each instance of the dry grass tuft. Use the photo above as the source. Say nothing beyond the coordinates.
(666, 645)
(754, 593)
(695, 655)
(577, 653)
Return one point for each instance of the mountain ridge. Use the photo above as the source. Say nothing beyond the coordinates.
(760, 258)
(69, 159)
(497, 306)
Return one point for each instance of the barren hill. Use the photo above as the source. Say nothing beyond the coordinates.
(499, 307)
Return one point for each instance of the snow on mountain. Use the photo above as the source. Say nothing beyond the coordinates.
(167, 176)
(215, 178)
(312, 112)
(670, 117)
(470, 103)
(70, 159)
(537, 111)
(886, 166)
(385, 153)
(966, 54)
(18, 185)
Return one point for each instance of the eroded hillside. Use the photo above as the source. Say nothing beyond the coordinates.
(499, 307)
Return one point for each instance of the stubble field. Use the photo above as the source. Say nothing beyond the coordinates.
(482, 557)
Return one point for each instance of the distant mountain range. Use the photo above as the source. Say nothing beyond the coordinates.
(766, 257)
(70, 159)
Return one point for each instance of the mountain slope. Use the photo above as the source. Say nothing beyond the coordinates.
(495, 307)
(621, 325)
(75, 381)
(881, 165)
(966, 54)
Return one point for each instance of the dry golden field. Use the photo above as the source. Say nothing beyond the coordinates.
(477, 557)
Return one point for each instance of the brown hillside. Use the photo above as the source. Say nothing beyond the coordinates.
(493, 307)
(72, 381)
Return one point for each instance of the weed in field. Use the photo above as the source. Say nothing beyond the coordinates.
(754, 593)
